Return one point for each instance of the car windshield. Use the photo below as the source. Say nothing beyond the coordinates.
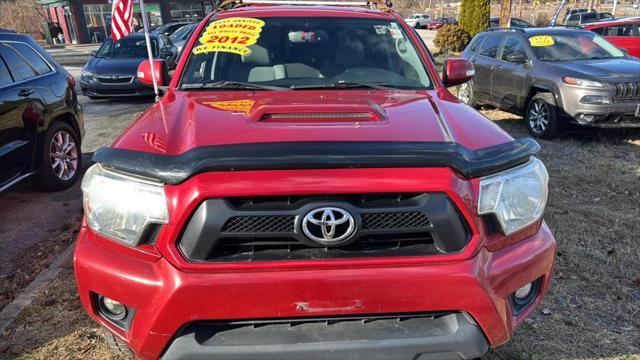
(568, 47)
(182, 33)
(305, 53)
(441, 19)
(414, 17)
(126, 48)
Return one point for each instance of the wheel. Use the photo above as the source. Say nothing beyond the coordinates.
(117, 346)
(542, 116)
(466, 95)
(61, 158)
(417, 26)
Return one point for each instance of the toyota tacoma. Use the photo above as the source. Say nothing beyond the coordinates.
(308, 188)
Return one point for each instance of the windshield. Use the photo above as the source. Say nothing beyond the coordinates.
(183, 32)
(126, 48)
(568, 47)
(305, 53)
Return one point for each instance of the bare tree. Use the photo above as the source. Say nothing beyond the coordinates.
(23, 16)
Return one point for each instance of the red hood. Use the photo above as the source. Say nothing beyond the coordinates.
(185, 120)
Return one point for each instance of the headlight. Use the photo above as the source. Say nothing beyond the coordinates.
(87, 75)
(121, 207)
(516, 197)
(583, 82)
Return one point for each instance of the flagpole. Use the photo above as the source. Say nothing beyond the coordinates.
(149, 50)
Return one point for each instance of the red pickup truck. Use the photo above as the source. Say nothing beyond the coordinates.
(624, 33)
(308, 188)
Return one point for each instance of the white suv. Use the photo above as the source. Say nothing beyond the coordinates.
(418, 20)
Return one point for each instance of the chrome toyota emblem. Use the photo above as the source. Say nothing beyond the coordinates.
(328, 225)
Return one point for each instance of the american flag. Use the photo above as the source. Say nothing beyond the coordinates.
(121, 19)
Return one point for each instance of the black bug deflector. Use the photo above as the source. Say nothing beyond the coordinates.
(174, 169)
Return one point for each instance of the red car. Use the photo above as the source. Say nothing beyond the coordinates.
(308, 188)
(440, 22)
(624, 33)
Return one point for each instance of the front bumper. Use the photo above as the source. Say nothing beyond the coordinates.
(167, 299)
(97, 90)
(619, 113)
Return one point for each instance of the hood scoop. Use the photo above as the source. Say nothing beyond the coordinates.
(319, 114)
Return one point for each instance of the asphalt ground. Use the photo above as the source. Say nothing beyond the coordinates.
(29, 216)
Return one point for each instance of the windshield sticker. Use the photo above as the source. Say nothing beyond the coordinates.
(541, 41)
(381, 29)
(395, 31)
(233, 35)
(242, 106)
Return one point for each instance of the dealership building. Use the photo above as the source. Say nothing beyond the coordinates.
(89, 21)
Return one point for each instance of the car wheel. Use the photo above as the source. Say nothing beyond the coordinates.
(542, 116)
(417, 26)
(466, 95)
(61, 158)
(117, 345)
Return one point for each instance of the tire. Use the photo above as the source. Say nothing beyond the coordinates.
(416, 26)
(542, 116)
(60, 158)
(466, 94)
(117, 346)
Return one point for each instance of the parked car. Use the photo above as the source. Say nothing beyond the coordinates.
(440, 22)
(166, 29)
(575, 11)
(169, 28)
(515, 23)
(111, 72)
(315, 194)
(41, 121)
(553, 76)
(587, 18)
(182, 35)
(625, 34)
(418, 21)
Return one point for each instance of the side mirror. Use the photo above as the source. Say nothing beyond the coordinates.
(457, 71)
(94, 53)
(166, 52)
(161, 72)
(518, 58)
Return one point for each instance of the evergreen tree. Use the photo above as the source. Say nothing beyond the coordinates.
(474, 16)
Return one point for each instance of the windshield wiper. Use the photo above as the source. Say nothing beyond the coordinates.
(224, 84)
(342, 85)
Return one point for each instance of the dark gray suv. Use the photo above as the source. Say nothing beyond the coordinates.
(554, 75)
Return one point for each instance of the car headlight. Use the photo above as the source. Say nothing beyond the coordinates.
(516, 197)
(87, 75)
(583, 82)
(121, 207)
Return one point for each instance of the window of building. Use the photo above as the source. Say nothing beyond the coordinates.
(98, 18)
(186, 11)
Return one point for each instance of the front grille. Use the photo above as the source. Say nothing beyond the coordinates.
(259, 224)
(270, 228)
(124, 79)
(395, 220)
(627, 91)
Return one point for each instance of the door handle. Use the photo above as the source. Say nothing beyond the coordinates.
(25, 92)
(497, 67)
(474, 60)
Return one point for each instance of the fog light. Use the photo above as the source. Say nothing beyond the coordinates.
(586, 118)
(524, 292)
(112, 309)
(595, 99)
(524, 296)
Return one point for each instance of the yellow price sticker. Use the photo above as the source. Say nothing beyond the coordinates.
(541, 41)
(233, 35)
